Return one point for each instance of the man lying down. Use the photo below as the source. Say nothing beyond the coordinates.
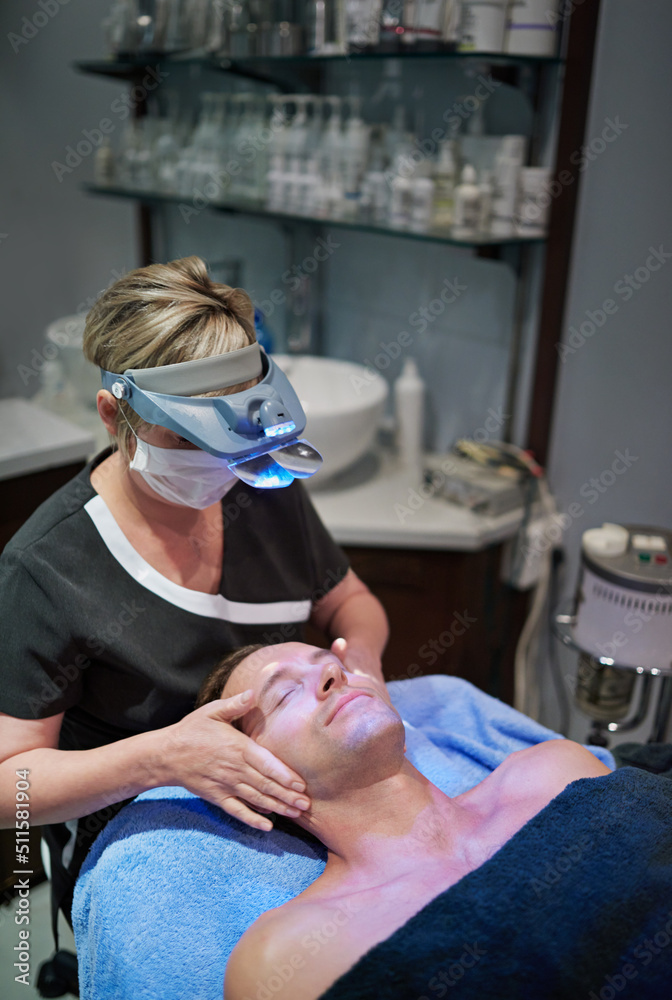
(395, 842)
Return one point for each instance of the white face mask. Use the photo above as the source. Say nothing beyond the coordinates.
(187, 476)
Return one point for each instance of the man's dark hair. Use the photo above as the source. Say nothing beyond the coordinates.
(213, 685)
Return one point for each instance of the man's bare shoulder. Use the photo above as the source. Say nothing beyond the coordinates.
(253, 954)
(279, 950)
(545, 769)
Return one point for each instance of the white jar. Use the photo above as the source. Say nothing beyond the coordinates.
(534, 200)
(482, 25)
(532, 28)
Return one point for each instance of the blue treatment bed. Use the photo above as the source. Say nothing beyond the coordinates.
(172, 882)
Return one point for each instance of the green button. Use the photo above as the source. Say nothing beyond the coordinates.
(645, 557)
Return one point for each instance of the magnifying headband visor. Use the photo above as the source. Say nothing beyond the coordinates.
(257, 432)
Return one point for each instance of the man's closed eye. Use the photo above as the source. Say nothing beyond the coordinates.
(284, 695)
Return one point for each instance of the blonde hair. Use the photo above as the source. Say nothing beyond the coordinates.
(161, 315)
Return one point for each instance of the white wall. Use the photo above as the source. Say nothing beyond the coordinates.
(614, 389)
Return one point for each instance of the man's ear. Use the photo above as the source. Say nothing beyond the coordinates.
(107, 410)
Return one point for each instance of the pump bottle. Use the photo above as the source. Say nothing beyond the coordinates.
(467, 204)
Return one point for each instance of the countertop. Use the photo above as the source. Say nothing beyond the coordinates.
(389, 507)
(376, 502)
(33, 439)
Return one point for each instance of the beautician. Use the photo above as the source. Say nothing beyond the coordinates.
(124, 589)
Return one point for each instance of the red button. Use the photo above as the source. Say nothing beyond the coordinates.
(661, 559)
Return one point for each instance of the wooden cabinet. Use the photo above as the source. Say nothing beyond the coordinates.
(448, 614)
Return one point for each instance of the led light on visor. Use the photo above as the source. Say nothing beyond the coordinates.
(278, 429)
(299, 458)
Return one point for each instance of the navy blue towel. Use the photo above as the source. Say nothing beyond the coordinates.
(576, 906)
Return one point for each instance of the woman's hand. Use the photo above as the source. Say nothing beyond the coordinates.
(204, 753)
(363, 663)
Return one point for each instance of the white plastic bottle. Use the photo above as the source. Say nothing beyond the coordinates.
(409, 406)
(445, 173)
(355, 155)
(485, 207)
(467, 204)
(422, 197)
(104, 165)
(399, 205)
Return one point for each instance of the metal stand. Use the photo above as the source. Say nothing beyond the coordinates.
(563, 624)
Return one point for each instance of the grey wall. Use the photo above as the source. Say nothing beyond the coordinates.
(614, 389)
(59, 247)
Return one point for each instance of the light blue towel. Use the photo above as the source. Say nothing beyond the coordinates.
(172, 882)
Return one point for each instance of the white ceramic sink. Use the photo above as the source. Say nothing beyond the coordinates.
(343, 402)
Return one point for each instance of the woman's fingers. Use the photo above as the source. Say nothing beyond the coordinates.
(260, 801)
(234, 807)
(276, 778)
(339, 648)
(228, 709)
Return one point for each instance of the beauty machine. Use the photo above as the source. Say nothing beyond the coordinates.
(257, 432)
(621, 628)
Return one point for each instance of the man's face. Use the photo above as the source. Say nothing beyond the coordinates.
(330, 725)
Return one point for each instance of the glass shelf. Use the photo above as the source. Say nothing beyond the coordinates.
(129, 66)
(255, 208)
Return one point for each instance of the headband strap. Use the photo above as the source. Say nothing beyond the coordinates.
(190, 378)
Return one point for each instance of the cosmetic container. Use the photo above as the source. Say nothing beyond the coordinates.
(467, 204)
(534, 201)
(508, 163)
(409, 407)
(104, 166)
(445, 174)
(482, 25)
(531, 28)
(362, 24)
(325, 27)
(485, 207)
(422, 198)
